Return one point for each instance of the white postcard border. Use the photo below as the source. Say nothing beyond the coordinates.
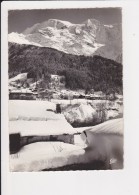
(81, 182)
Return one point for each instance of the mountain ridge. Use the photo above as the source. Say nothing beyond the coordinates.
(88, 38)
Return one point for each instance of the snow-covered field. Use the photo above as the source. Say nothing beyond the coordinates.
(32, 118)
(45, 155)
(49, 155)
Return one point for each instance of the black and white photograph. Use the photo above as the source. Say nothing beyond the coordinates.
(65, 89)
(69, 97)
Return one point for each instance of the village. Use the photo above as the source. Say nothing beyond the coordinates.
(20, 87)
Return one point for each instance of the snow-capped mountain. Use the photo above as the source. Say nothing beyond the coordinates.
(89, 38)
(20, 39)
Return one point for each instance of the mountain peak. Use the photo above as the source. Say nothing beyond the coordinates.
(91, 22)
(56, 22)
(87, 38)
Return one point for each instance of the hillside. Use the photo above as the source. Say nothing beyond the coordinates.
(81, 72)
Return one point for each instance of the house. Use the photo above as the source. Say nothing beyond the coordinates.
(57, 82)
(21, 95)
(99, 93)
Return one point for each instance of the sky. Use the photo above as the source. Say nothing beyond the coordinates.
(19, 20)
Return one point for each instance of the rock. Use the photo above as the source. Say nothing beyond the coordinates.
(112, 114)
(81, 115)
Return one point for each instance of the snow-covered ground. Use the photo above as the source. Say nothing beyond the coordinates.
(114, 126)
(41, 128)
(45, 155)
(32, 110)
(31, 118)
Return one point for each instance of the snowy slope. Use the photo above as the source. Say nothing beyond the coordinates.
(20, 39)
(114, 126)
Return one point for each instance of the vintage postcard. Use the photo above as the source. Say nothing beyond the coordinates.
(65, 91)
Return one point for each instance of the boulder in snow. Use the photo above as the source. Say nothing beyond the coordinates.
(79, 115)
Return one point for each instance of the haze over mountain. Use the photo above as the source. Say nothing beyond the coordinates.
(89, 38)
